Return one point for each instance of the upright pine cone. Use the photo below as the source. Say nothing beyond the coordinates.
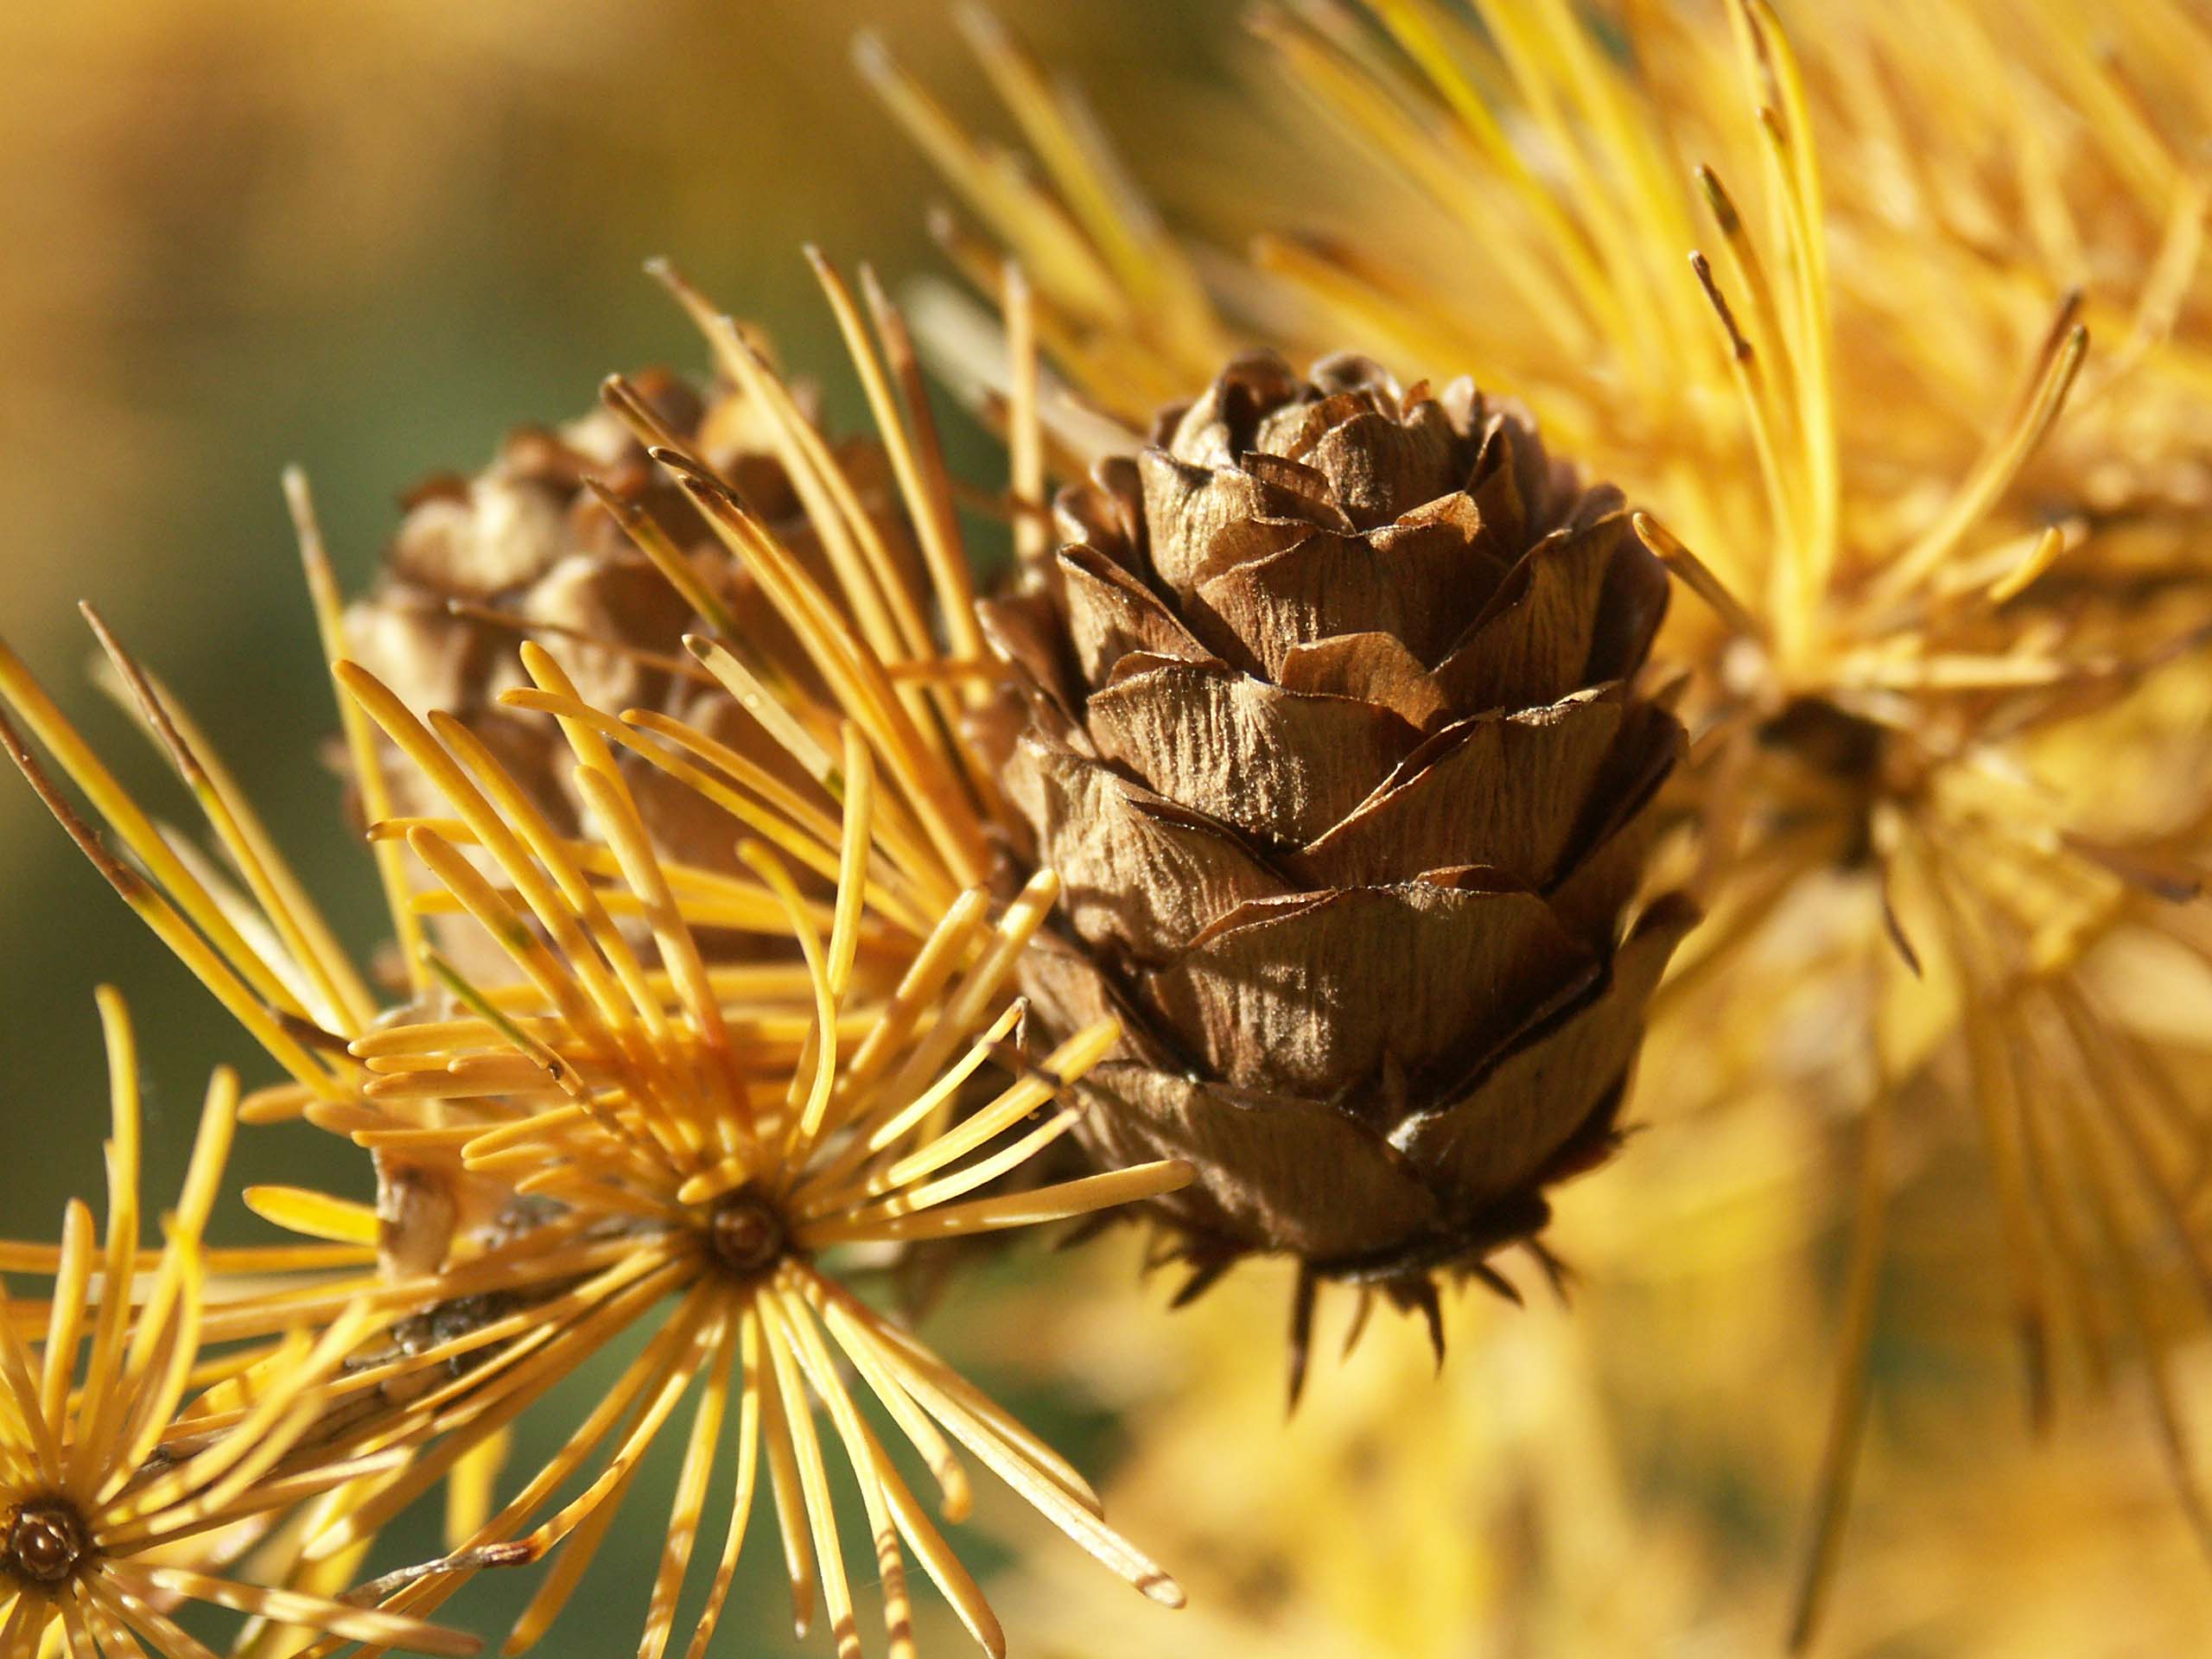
(1329, 727)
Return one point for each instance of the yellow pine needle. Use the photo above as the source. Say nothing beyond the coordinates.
(691, 1493)
(1061, 1203)
(784, 1488)
(871, 1469)
(1696, 576)
(868, 1138)
(1120, 225)
(561, 899)
(853, 668)
(2086, 1146)
(1959, 671)
(931, 1194)
(2039, 557)
(800, 844)
(813, 1484)
(472, 1485)
(548, 675)
(122, 1155)
(968, 1003)
(1072, 1059)
(2104, 1054)
(685, 1345)
(77, 1448)
(222, 977)
(1770, 63)
(915, 463)
(1025, 423)
(746, 1362)
(361, 744)
(711, 1214)
(354, 1624)
(885, 611)
(482, 901)
(769, 710)
(945, 951)
(822, 1042)
(436, 758)
(316, 1215)
(1109, 1547)
(872, 580)
(1789, 599)
(2005, 571)
(72, 1277)
(486, 1410)
(307, 936)
(909, 1349)
(1368, 302)
(1997, 1102)
(997, 188)
(1531, 64)
(754, 779)
(27, 699)
(1785, 395)
(1123, 386)
(1847, 1407)
(852, 861)
(956, 1495)
(667, 558)
(645, 656)
(306, 940)
(261, 1436)
(679, 951)
(139, 832)
(1419, 28)
(2052, 375)
(709, 901)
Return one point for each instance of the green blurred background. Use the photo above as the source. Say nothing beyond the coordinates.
(368, 237)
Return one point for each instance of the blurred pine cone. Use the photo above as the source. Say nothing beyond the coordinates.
(1328, 724)
(529, 540)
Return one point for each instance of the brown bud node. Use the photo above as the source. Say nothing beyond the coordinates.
(747, 1233)
(46, 1539)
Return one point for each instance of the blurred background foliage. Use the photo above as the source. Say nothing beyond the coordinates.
(369, 235)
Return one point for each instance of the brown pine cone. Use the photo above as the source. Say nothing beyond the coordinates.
(529, 539)
(1330, 729)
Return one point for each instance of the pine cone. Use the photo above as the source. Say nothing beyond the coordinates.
(1328, 723)
(529, 539)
